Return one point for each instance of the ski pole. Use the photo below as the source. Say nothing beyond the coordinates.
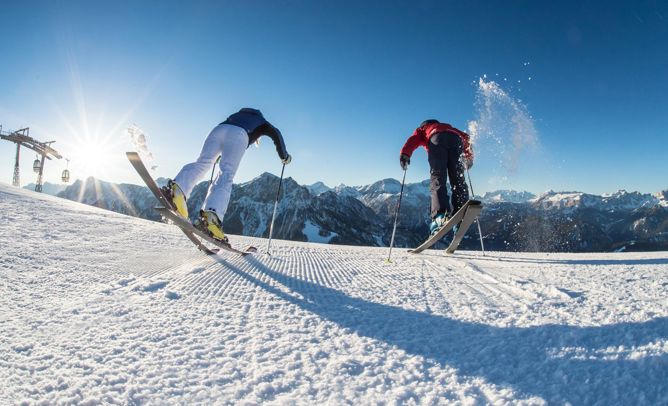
(396, 216)
(273, 216)
(477, 219)
(213, 171)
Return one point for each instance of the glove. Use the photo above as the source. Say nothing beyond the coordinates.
(468, 163)
(404, 161)
(287, 159)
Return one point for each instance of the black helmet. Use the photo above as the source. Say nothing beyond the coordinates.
(430, 121)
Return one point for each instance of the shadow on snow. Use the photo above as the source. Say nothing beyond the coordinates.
(558, 363)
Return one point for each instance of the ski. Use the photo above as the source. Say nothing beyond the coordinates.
(139, 166)
(472, 206)
(471, 213)
(187, 227)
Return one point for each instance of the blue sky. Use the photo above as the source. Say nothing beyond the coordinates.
(345, 81)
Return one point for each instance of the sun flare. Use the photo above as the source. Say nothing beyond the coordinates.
(91, 158)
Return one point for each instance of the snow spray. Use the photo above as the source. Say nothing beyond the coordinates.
(503, 127)
(138, 140)
(502, 133)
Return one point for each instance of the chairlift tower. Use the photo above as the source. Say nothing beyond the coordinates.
(22, 137)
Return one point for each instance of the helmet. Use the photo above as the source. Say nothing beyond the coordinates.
(251, 111)
(430, 121)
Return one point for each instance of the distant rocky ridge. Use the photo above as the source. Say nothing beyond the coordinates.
(364, 215)
(48, 188)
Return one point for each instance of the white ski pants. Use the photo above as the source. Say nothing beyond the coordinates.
(228, 141)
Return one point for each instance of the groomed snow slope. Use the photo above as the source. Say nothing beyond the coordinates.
(97, 307)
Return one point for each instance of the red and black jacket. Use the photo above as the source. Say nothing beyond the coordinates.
(421, 136)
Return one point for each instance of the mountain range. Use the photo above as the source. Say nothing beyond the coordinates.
(364, 215)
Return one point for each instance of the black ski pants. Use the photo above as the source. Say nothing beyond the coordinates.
(445, 150)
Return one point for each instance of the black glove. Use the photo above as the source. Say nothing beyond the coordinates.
(468, 163)
(287, 159)
(404, 161)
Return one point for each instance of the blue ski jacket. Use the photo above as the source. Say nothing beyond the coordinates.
(256, 126)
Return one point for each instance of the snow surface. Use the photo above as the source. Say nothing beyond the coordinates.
(97, 307)
(312, 233)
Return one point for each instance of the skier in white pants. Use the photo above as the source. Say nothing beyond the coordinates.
(228, 140)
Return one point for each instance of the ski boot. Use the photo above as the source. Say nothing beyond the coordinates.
(437, 223)
(210, 224)
(175, 195)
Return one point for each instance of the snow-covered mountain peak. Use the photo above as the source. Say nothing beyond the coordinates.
(389, 185)
(662, 197)
(264, 187)
(620, 200)
(264, 177)
(559, 200)
(318, 188)
(161, 181)
(618, 193)
(344, 190)
(507, 196)
(629, 200)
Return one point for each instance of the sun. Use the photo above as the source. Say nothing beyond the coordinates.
(91, 158)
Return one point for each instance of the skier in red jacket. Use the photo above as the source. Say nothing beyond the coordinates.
(445, 146)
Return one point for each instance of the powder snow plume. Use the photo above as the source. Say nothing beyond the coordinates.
(138, 140)
(503, 126)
